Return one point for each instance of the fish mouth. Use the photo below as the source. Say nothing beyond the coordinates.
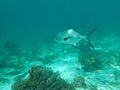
(56, 39)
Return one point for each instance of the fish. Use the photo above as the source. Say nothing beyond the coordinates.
(75, 39)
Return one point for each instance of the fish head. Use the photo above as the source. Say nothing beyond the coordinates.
(68, 37)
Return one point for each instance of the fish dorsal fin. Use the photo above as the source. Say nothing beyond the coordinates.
(91, 32)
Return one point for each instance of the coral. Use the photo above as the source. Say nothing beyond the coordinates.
(91, 61)
(41, 78)
(93, 87)
(80, 82)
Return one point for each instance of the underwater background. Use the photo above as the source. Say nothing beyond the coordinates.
(28, 51)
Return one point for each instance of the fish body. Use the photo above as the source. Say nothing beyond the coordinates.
(75, 39)
(69, 37)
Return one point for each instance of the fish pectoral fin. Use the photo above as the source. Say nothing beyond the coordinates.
(75, 46)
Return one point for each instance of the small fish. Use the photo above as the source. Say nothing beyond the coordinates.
(75, 39)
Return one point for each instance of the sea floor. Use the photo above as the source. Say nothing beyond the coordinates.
(103, 74)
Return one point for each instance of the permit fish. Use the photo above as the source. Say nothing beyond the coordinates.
(75, 39)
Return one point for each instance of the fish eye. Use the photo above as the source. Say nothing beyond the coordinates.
(66, 38)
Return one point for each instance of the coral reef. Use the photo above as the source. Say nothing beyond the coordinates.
(80, 82)
(97, 70)
(41, 78)
(91, 61)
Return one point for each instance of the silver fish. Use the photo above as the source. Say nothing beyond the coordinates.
(75, 39)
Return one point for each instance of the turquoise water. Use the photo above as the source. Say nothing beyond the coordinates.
(28, 29)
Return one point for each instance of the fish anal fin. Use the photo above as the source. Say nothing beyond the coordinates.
(90, 43)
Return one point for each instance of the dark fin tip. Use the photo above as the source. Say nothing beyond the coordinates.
(90, 43)
(90, 33)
